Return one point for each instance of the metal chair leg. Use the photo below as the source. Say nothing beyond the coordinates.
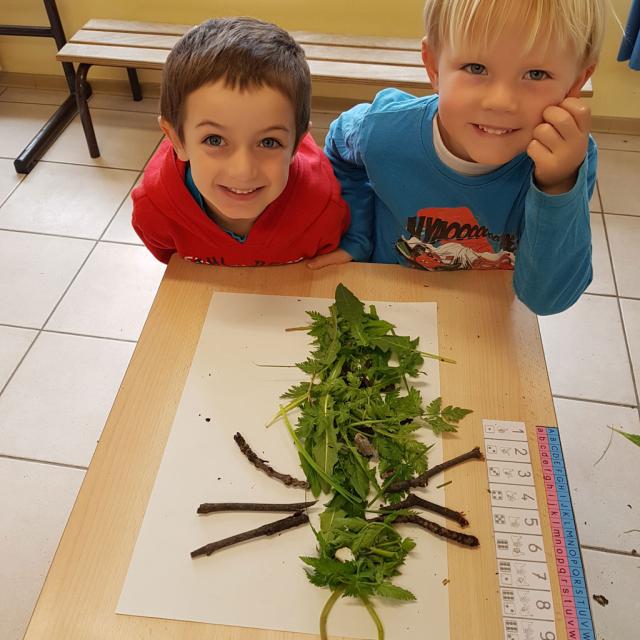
(136, 91)
(83, 92)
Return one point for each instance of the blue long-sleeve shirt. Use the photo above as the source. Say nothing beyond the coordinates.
(406, 203)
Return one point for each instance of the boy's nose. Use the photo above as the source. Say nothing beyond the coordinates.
(242, 165)
(500, 97)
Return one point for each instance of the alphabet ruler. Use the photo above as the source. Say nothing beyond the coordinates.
(525, 588)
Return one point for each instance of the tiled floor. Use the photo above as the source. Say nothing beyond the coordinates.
(76, 286)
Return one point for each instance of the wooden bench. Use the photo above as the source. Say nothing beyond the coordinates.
(338, 59)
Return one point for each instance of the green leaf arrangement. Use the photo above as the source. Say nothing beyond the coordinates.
(356, 436)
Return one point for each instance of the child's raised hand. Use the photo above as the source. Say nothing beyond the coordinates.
(559, 145)
(339, 256)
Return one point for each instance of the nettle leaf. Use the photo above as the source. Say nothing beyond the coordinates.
(443, 420)
(455, 414)
(629, 436)
(388, 590)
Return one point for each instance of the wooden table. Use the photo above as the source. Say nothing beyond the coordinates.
(500, 374)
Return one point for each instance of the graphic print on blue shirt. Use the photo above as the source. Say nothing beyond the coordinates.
(450, 238)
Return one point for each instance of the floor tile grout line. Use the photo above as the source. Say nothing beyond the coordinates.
(599, 195)
(19, 364)
(611, 264)
(626, 342)
(50, 463)
(68, 333)
(92, 166)
(140, 173)
(626, 405)
(88, 335)
(617, 552)
(48, 234)
(13, 190)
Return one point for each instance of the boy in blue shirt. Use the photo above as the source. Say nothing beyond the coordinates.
(494, 171)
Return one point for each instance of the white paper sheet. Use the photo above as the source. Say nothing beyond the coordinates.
(261, 583)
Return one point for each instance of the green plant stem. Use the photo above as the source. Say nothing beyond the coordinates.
(325, 613)
(312, 463)
(374, 616)
(434, 356)
(284, 410)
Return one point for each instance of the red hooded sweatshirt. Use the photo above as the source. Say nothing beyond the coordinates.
(306, 219)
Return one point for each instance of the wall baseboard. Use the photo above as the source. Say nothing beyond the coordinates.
(603, 124)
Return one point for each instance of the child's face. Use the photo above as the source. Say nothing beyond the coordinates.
(240, 146)
(490, 102)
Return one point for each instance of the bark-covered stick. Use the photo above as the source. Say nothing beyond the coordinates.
(263, 466)
(413, 500)
(270, 529)
(454, 536)
(423, 478)
(216, 507)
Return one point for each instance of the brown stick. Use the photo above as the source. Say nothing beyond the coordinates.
(454, 536)
(423, 478)
(412, 500)
(270, 529)
(216, 507)
(263, 466)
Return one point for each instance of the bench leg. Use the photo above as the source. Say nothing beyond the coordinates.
(136, 91)
(83, 92)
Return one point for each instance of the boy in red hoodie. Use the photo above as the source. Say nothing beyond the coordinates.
(238, 180)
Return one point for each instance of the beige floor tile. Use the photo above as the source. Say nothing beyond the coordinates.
(624, 241)
(120, 229)
(14, 343)
(615, 577)
(18, 124)
(122, 102)
(36, 270)
(76, 379)
(112, 294)
(66, 199)
(631, 319)
(36, 500)
(586, 352)
(618, 173)
(594, 203)
(602, 274)
(617, 141)
(34, 96)
(9, 179)
(126, 140)
(601, 491)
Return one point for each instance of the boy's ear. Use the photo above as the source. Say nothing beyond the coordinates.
(430, 61)
(172, 134)
(574, 92)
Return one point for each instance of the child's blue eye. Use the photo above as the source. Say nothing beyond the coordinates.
(537, 74)
(475, 69)
(214, 141)
(270, 143)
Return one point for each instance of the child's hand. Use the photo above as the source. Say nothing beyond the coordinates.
(559, 145)
(339, 256)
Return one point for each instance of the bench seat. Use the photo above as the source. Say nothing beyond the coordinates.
(332, 58)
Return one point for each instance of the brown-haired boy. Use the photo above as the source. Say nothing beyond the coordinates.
(239, 180)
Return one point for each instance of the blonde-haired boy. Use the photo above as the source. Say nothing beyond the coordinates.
(498, 167)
